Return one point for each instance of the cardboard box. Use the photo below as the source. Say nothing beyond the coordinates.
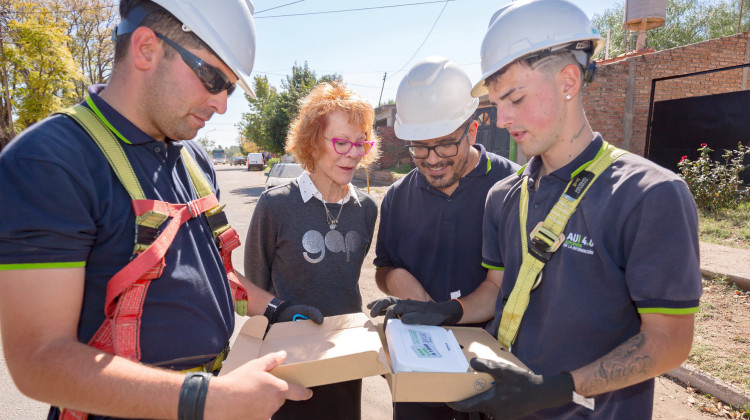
(348, 347)
(448, 387)
(343, 348)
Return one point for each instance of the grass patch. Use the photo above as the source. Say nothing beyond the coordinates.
(726, 227)
(403, 168)
(722, 327)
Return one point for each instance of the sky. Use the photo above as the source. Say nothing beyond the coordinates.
(365, 45)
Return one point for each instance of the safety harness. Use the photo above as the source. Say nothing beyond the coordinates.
(119, 334)
(547, 237)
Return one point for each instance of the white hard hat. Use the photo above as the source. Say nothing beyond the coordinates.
(433, 100)
(531, 26)
(226, 26)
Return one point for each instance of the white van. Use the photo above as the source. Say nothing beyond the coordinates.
(255, 161)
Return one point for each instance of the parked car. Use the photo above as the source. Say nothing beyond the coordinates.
(238, 160)
(255, 161)
(282, 173)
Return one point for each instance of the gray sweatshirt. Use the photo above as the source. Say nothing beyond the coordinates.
(292, 252)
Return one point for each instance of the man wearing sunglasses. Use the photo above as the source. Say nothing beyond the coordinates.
(429, 245)
(67, 232)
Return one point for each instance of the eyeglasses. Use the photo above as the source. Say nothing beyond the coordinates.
(213, 79)
(343, 146)
(444, 150)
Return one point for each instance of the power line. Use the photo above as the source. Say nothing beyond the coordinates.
(423, 42)
(278, 7)
(355, 10)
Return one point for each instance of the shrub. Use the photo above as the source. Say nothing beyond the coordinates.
(272, 162)
(716, 185)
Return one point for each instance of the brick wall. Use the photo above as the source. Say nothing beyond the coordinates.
(393, 151)
(617, 102)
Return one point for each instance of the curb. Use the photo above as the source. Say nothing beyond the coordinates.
(739, 281)
(710, 385)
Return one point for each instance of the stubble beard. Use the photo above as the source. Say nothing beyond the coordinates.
(446, 180)
(164, 106)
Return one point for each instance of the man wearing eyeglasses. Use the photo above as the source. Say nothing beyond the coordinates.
(69, 227)
(429, 245)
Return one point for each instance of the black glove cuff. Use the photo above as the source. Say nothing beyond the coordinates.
(456, 312)
(564, 386)
(274, 308)
(193, 396)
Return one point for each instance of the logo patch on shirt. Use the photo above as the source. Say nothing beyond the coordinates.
(579, 183)
(579, 243)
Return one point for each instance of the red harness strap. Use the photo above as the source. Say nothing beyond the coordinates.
(227, 242)
(126, 291)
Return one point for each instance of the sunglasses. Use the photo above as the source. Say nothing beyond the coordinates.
(213, 79)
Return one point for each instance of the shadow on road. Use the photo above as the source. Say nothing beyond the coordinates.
(253, 192)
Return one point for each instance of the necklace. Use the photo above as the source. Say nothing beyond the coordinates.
(333, 223)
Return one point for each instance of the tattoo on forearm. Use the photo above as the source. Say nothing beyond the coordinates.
(625, 363)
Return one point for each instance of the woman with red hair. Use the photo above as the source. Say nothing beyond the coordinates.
(307, 239)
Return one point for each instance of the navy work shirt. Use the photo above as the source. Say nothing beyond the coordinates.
(435, 237)
(63, 206)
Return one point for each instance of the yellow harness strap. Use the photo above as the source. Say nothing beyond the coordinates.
(110, 147)
(547, 237)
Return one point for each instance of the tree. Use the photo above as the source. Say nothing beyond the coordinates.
(50, 51)
(271, 112)
(687, 22)
(207, 144)
(41, 70)
(89, 25)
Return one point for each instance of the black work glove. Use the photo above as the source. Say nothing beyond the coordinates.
(516, 392)
(418, 312)
(380, 307)
(287, 311)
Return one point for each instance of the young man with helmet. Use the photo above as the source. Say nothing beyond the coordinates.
(593, 301)
(112, 234)
(429, 240)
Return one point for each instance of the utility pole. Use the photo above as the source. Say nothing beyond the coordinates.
(381, 88)
(739, 21)
(6, 92)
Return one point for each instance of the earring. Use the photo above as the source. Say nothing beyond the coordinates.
(568, 97)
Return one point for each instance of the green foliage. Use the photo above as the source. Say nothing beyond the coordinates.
(715, 185)
(89, 26)
(403, 168)
(687, 22)
(206, 143)
(272, 162)
(41, 69)
(272, 111)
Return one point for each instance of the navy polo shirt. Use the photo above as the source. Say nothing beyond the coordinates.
(63, 206)
(435, 237)
(631, 247)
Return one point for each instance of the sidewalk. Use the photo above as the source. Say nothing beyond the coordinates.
(734, 263)
(727, 261)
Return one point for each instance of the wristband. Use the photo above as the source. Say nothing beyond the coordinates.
(193, 396)
(275, 306)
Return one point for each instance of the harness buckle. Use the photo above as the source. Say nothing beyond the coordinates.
(543, 242)
(194, 211)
